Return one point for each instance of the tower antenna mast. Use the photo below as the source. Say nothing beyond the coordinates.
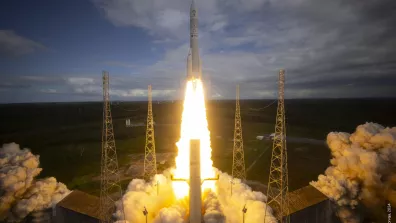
(238, 161)
(150, 161)
(110, 179)
(277, 190)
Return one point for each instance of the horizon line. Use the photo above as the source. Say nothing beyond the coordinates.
(177, 100)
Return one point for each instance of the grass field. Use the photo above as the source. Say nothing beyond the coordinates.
(67, 136)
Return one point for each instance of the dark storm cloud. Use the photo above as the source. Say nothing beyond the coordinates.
(11, 44)
(378, 11)
(344, 44)
(323, 45)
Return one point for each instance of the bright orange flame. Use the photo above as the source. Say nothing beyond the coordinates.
(194, 126)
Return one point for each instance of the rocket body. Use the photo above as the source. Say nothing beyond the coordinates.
(195, 182)
(195, 59)
(189, 64)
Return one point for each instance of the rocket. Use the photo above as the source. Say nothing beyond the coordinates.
(189, 65)
(195, 182)
(193, 58)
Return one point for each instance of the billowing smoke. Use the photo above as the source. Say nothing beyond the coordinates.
(140, 194)
(363, 169)
(20, 193)
(219, 206)
(242, 195)
(17, 171)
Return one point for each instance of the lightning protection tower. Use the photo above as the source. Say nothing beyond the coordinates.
(277, 190)
(238, 161)
(150, 161)
(110, 188)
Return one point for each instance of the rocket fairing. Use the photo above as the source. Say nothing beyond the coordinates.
(195, 59)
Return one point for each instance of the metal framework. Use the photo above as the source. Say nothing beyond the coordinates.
(238, 161)
(277, 190)
(150, 161)
(110, 188)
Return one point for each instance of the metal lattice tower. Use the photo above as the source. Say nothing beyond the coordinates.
(238, 161)
(110, 188)
(277, 190)
(150, 161)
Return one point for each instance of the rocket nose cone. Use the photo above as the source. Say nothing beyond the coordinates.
(189, 51)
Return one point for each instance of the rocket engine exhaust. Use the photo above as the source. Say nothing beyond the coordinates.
(195, 182)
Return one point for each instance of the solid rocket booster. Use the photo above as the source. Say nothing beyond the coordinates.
(189, 64)
(195, 59)
(195, 181)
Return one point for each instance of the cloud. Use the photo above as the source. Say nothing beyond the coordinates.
(143, 93)
(89, 87)
(49, 91)
(38, 78)
(171, 19)
(328, 48)
(13, 45)
(120, 64)
(150, 15)
(80, 81)
(160, 41)
(325, 46)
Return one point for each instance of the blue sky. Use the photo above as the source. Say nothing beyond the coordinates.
(56, 50)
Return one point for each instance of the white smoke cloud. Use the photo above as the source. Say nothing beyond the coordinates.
(363, 168)
(241, 195)
(20, 193)
(43, 194)
(219, 205)
(140, 194)
(17, 171)
(213, 210)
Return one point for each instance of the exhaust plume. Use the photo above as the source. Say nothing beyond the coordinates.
(218, 206)
(20, 193)
(363, 169)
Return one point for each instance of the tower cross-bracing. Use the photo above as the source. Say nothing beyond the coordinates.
(150, 161)
(110, 188)
(238, 161)
(277, 190)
